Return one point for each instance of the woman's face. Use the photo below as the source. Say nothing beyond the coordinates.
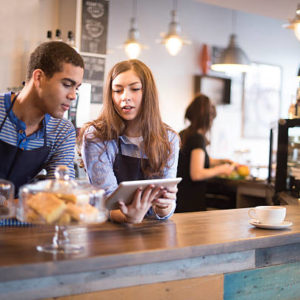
(127, 95)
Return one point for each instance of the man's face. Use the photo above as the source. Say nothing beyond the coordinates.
(57, 92)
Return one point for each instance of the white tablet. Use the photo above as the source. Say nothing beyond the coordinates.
(126, 190)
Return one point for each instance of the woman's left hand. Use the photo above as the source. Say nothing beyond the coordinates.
(163, 205)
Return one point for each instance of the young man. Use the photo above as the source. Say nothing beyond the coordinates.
(33, 133)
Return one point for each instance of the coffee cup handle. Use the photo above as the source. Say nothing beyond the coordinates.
(251, 213)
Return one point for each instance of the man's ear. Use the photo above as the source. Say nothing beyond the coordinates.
(38, 75)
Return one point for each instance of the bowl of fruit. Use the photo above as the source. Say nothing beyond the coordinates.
(240, 172)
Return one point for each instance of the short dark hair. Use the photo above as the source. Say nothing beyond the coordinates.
(50, 56)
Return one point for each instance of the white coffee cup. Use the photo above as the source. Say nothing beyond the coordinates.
(272, 215)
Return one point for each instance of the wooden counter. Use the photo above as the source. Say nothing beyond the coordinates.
(214, 247)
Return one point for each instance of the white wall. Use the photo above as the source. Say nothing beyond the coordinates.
(262, 38)
(23, 24)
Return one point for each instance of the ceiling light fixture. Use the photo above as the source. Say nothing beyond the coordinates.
(173, 40)
(132, 46)
(298, 74)
(295, 23)
(232, 58)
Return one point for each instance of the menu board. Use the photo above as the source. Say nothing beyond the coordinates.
(93, 74)
(94, 19)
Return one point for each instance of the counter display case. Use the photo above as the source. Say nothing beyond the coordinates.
(287, 176)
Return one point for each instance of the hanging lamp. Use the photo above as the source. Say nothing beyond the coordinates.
(132, 46)
(298, 74)
(173, 39)
(232, 58)
(295, 23)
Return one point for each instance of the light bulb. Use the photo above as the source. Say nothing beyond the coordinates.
(173, 44)
(297, 30)
(133, 49)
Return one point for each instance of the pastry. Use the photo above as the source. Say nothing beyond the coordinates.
(90, 213)
(79, 199)
(64, 219)
(67, 197)
(75, 211)
(47, 205)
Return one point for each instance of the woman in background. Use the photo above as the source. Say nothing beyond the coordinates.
(195, 166)
(129, 141)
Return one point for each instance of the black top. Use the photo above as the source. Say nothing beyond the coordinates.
(191, 194)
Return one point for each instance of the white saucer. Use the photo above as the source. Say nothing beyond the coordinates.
(284, 224)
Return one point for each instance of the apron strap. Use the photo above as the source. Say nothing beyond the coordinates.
(45, 132)
(119, 146)
(9, 109)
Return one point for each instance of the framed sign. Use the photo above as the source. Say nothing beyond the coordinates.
(94, 20)
(94, 74)
(261, 100)
(216, 88)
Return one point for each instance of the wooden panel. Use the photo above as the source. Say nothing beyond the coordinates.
(62, 285)
(210, 287)
(277, 282)
(110, 246)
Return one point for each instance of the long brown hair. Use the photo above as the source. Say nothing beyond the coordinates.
(109, 125)
(201, 113)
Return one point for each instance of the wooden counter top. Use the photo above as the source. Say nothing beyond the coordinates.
(112, 246)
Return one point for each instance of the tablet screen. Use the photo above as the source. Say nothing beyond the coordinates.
(126, 190)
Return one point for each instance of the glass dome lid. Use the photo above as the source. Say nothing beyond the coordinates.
(61, 201)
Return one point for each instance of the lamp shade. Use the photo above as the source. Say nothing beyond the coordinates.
(173, 39)
(132, 46)
(233, 58)
(298, 74)
(295, 23)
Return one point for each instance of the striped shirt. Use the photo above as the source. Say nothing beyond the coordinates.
(60, 137)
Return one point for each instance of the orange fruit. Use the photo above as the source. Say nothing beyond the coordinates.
(243, 170)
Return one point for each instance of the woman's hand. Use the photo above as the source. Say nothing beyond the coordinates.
(227, 161)
(162, 206)
(142, 201)
(226, 169)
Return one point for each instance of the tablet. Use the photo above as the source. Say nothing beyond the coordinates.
(126, 190)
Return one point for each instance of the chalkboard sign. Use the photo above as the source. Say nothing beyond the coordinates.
(93, 74)
(94, 20)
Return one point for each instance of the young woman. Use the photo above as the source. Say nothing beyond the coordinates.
(129, 141)
(194, 164)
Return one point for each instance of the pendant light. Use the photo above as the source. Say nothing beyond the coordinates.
(298, 74)
(173, 40)
(295, 23)
(132, 46)
(232, 58)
